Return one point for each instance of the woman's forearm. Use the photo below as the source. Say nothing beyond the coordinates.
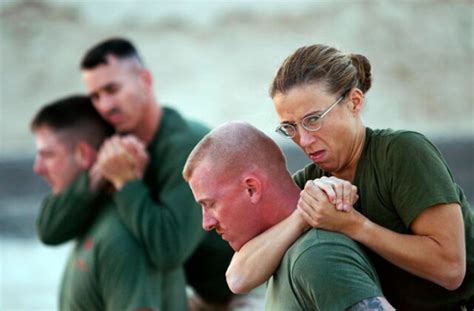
(435, 251)
(256, 261)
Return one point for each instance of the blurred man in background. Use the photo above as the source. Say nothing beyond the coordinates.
(152, 199)
(107, 269)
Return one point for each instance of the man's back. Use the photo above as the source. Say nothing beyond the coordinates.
(108, 270)
(322, 270)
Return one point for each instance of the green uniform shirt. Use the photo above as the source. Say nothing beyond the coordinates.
(108, 269)
(324, 271)
(399, 175)
(159, 210)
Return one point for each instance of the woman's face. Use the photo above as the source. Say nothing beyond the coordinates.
(334, 145)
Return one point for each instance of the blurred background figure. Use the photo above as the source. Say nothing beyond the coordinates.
(107, 269)
(143, 164)
(214, 61)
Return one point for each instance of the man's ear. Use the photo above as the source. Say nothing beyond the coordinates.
(85, 155)
(253, 187)
(147, 78)
(357, 100)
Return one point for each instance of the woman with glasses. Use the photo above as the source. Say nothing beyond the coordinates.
(409, 213)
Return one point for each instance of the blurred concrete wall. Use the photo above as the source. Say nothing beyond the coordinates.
(214, 60)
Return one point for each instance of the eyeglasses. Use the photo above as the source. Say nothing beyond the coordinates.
(311, 123)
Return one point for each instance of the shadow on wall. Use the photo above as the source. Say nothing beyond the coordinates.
(21, 191)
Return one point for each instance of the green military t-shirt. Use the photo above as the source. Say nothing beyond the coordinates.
(400, 174)
(108, 269)
(161, 212)
(322, 271)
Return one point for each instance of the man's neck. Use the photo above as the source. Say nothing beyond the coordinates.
(150, 122)
(281, 203)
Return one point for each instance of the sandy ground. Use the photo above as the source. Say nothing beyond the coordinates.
(28, 284)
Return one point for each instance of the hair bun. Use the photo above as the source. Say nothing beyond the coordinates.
(363, 67)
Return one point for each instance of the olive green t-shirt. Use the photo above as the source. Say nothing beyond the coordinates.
(323, 271)
(108, 270)
(400, 174)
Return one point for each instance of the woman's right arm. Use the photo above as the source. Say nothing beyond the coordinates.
(256, 261)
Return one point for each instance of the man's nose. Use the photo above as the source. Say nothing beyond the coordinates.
(105, 103)
(38, 166)
(209, 222)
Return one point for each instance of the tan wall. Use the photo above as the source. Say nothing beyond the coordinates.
(214, 61)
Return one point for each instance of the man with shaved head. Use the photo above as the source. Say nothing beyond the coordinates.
(144, 168)
(239, 177)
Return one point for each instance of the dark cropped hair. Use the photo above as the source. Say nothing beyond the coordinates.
(319, 63)
(75, 115)
(118, 47)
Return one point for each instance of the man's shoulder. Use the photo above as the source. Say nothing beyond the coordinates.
(316, 238)
(320, 247)
(333, 259)
(177, 131)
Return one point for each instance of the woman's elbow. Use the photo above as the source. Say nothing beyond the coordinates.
(454, 275)
(235, 284)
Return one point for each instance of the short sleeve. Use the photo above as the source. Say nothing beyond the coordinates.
(420, 177)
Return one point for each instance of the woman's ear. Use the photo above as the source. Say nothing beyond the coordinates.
(85, 155)
(253, 187)
(357, 100)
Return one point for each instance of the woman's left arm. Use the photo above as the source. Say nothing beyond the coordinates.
(258, 259)
(435, 251)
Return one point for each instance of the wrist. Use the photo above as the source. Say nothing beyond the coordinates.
(300, 223)
(357, 231)
(120, 182)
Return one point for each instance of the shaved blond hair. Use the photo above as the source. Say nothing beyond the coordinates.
(236, 147)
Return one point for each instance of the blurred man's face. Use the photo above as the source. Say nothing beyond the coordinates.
(55, 160)
(119, 92)
(226, 206)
